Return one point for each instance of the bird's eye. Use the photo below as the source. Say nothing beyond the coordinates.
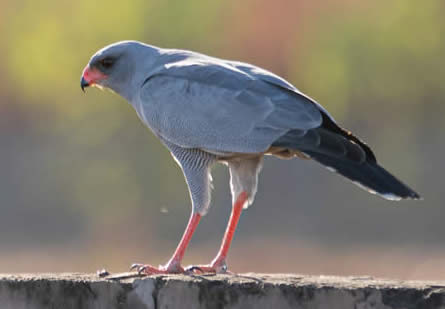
(107, 63)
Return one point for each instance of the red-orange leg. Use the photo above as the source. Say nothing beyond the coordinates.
(174, 264)
(218, 265)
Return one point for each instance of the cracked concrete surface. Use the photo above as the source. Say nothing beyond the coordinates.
(128, 290)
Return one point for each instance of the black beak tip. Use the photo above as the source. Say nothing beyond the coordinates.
(83, 84)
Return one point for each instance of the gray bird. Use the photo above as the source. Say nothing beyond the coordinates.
(207, 110)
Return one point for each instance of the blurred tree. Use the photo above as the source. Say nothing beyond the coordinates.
(81, 169)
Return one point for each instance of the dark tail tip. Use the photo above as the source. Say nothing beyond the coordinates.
(394, 197)
(370, 176)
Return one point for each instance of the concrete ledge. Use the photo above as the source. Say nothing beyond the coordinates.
(38, 291)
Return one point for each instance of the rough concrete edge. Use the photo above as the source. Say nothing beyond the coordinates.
(128, 290)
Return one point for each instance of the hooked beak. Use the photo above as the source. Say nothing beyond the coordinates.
(90, 77)
(84, 84)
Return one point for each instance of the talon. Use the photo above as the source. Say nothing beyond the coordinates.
(192, 269)
(223, 268)
(142, 269)
(216, 268)
(135, 266)
(102, 273)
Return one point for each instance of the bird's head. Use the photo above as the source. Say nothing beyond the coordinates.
(116, 67)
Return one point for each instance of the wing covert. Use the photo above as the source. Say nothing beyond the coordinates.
(210, 104)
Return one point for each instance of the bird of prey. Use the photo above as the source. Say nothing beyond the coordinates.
(207, 110)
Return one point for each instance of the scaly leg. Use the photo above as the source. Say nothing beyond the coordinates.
(219, 265)
(173, 266)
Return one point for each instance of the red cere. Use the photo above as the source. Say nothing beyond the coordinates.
(93, 75)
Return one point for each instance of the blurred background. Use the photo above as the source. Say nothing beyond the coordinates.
(84, 185)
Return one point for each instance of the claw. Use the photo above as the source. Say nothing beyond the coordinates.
(218, 267)
(135, 266)
(142, 269)
(191, 269)
(102, 273)
(146, 269)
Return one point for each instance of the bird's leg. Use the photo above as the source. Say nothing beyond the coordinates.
(174, 264)
(219, 265)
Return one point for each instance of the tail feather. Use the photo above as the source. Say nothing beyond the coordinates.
(347, 155)
(370, 176)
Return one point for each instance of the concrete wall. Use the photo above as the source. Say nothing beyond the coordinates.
(223, 291)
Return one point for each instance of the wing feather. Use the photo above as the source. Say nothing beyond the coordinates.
(203, 102)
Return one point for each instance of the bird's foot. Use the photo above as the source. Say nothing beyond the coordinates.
(216, 267)
(169, 268)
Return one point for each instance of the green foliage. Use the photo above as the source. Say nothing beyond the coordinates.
(383, 52)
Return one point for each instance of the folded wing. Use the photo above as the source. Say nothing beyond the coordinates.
(202, 102)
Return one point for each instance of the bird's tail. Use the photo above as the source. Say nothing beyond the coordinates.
(345, 154)
(370, 176)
